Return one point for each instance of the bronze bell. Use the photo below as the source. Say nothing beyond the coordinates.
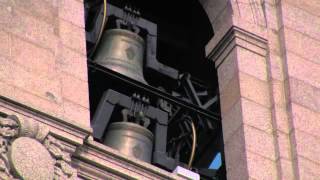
(130, 139)
(122, 51)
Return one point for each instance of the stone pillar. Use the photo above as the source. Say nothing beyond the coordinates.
(43, 57)
(241, 55)
(266, 53)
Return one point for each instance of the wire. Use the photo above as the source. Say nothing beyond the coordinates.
(194, 142)
(104, 20)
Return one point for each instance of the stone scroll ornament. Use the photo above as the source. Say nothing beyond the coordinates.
(28, 151)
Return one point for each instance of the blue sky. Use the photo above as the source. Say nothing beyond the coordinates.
(216, 162)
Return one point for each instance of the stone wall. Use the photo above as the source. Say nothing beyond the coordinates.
(267, 56)
(43, 57)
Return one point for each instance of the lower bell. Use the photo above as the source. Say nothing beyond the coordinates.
(130, 139)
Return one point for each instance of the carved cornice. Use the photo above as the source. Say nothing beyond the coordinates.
(241, 38)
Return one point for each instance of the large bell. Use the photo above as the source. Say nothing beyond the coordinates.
(122, 51)
(130, 139)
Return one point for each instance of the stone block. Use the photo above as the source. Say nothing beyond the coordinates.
(5, 44)
(286, 171)
(33, 58)
(6, 15)
(307, 146)
(304, 94)
(272, 2)
(260, 167)
(279, 94)
(227, 70)
(271, 13)
(254, 89)
(31, 100)
(273, 42)
(72, 62)
(295, 42)
(305, 119)
(247, 59)
(281, 119)
(6, 90)
(75, 113)
(44, 10)
(260, 142)
(248, 11)
(72, 11)
(232, 121)
(235, 156)
(75, 90)
(72, 36)
(256, 115)
(230, 95)
(277, 70)
(42, 86)
(284, 145)
(303, 70)
(32, 29)
(311, 6)
(299, 20)
(307, 169)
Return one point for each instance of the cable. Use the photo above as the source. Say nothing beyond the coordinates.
(194, 142)
(104, 20)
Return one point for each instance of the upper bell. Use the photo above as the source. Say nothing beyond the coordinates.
(122, 51)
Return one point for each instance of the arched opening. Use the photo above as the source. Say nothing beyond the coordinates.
(183, 30)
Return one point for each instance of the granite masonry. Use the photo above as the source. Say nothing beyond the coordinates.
(267, 53)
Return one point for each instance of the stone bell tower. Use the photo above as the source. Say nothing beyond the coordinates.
(266, 53)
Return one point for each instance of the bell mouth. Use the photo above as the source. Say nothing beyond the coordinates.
(126, 33)
(133, 127)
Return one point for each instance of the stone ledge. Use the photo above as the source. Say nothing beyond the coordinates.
(106, 161)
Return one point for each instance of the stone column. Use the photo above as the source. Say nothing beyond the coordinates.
(267, 56)
(241, 55)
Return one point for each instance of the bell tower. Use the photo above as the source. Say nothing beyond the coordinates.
(188, 82)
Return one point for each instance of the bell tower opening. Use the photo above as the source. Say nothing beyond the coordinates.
(148, 69)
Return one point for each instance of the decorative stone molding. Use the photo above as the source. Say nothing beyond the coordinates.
(63, 168)
(28, 151)
(241, 38)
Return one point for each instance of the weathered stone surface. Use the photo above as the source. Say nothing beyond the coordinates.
(254, 89)
(72, 11)
(31, 160)
(247, 60)
(306, 120)
(303, 69)
(260, 119)
(296, 42)
(304, 94)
